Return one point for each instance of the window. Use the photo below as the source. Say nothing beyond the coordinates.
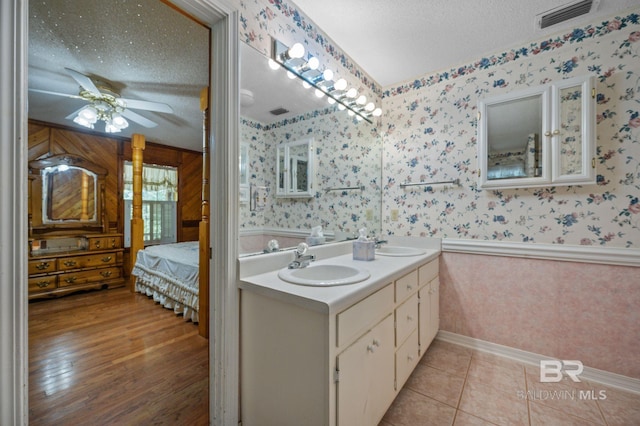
(159, 203)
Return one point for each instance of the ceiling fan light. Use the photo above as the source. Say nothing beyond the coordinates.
(119, 121)
(109, 127)
(89, 113)
(83, 122)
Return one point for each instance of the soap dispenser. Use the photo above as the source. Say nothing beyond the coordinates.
(363, 248)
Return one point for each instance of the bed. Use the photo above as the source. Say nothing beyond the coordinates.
(169, 274)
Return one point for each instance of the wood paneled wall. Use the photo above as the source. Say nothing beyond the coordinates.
(110, 152)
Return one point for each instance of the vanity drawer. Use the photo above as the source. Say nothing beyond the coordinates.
(41, 266)
(357, 319)
(84, 277)
(87, 261)
(407, 358)
(45, 283)
(406, 285)
(406, 319)
(105, 243)
(428, 272)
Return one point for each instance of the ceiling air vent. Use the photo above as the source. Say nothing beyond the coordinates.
(279, 111)
(565, 12)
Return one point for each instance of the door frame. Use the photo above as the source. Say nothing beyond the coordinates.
(222, 17)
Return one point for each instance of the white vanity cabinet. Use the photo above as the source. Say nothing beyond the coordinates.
(302, 366)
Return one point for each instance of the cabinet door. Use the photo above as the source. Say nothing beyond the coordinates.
(365, 388)
(573, 131)
(429, 313)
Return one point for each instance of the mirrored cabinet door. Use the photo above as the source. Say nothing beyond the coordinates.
(539, 136)
(295, 169)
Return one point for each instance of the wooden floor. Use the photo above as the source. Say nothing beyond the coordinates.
(113, 357)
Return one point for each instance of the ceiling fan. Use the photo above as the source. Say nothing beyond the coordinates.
(105, 104)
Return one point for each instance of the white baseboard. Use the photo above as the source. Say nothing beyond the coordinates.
(618, 381)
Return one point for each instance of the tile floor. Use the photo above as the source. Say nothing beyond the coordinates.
(454, 385)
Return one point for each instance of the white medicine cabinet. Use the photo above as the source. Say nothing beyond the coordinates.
(295, 169)
(540, 136)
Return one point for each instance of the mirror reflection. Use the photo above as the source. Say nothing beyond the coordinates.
(514, 130)
(69, 194)
(277, 111)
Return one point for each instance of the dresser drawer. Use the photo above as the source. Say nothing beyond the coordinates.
(407, 358)
(428, 272)
(87, 261)
(45, 283)
(359, 318)
(41, 266)
(84, 277)
(105, 243)
(406, 319)
(406, 285)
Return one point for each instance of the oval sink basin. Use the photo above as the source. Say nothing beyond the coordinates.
(399, 251)
(324, 275)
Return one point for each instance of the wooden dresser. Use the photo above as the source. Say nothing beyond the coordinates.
(60, 265)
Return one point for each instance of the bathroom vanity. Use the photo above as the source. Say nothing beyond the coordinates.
(334, 355)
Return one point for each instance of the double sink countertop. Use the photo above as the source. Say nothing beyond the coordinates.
(260, 273)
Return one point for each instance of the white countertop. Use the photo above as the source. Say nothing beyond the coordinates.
(333, 299)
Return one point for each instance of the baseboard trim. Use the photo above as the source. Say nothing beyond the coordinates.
(587, 254)
(618, 381)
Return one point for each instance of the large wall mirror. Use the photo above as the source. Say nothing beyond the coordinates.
(336, 181)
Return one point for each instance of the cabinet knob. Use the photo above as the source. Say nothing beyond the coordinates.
(43, 284)
(106, 258)
(376, 343)
(547, 133)
(69, 263)
(371, 348)
(556, 132)
(97, 244)
(70, 280)
(43, 265)
(409, 318)
(409, 287)
(105, 274)
(410, 358)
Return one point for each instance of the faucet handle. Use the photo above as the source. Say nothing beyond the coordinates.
(302, 249)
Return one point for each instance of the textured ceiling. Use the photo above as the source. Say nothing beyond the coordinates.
(149, 51)
(397, 41)
(144, 48)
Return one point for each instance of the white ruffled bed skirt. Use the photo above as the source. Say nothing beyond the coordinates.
(169, 292)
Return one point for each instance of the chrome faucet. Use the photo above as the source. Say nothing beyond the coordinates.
(302, 260)
(379, 243)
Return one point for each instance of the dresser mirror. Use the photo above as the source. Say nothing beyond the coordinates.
(66, 193)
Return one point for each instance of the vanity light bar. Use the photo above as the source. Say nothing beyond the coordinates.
(292, 60)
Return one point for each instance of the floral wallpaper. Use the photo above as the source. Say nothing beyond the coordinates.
(429, 132)
(347, 154)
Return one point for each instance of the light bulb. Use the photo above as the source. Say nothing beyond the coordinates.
(352, 93)
(331, 100)
(305, 84)
(273, 64)
(319, 93)
(361, 100)
(313, 63)
(377, 112)
(291, 75)
(341, 107)
(351, 113)
(89, 113)
(296, 51)
(340, 84)
(370, 107)
(327, 75)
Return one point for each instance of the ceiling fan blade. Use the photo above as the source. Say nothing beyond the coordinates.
(147, 105)
(47, 92)
(127, 113)
(84, 81)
